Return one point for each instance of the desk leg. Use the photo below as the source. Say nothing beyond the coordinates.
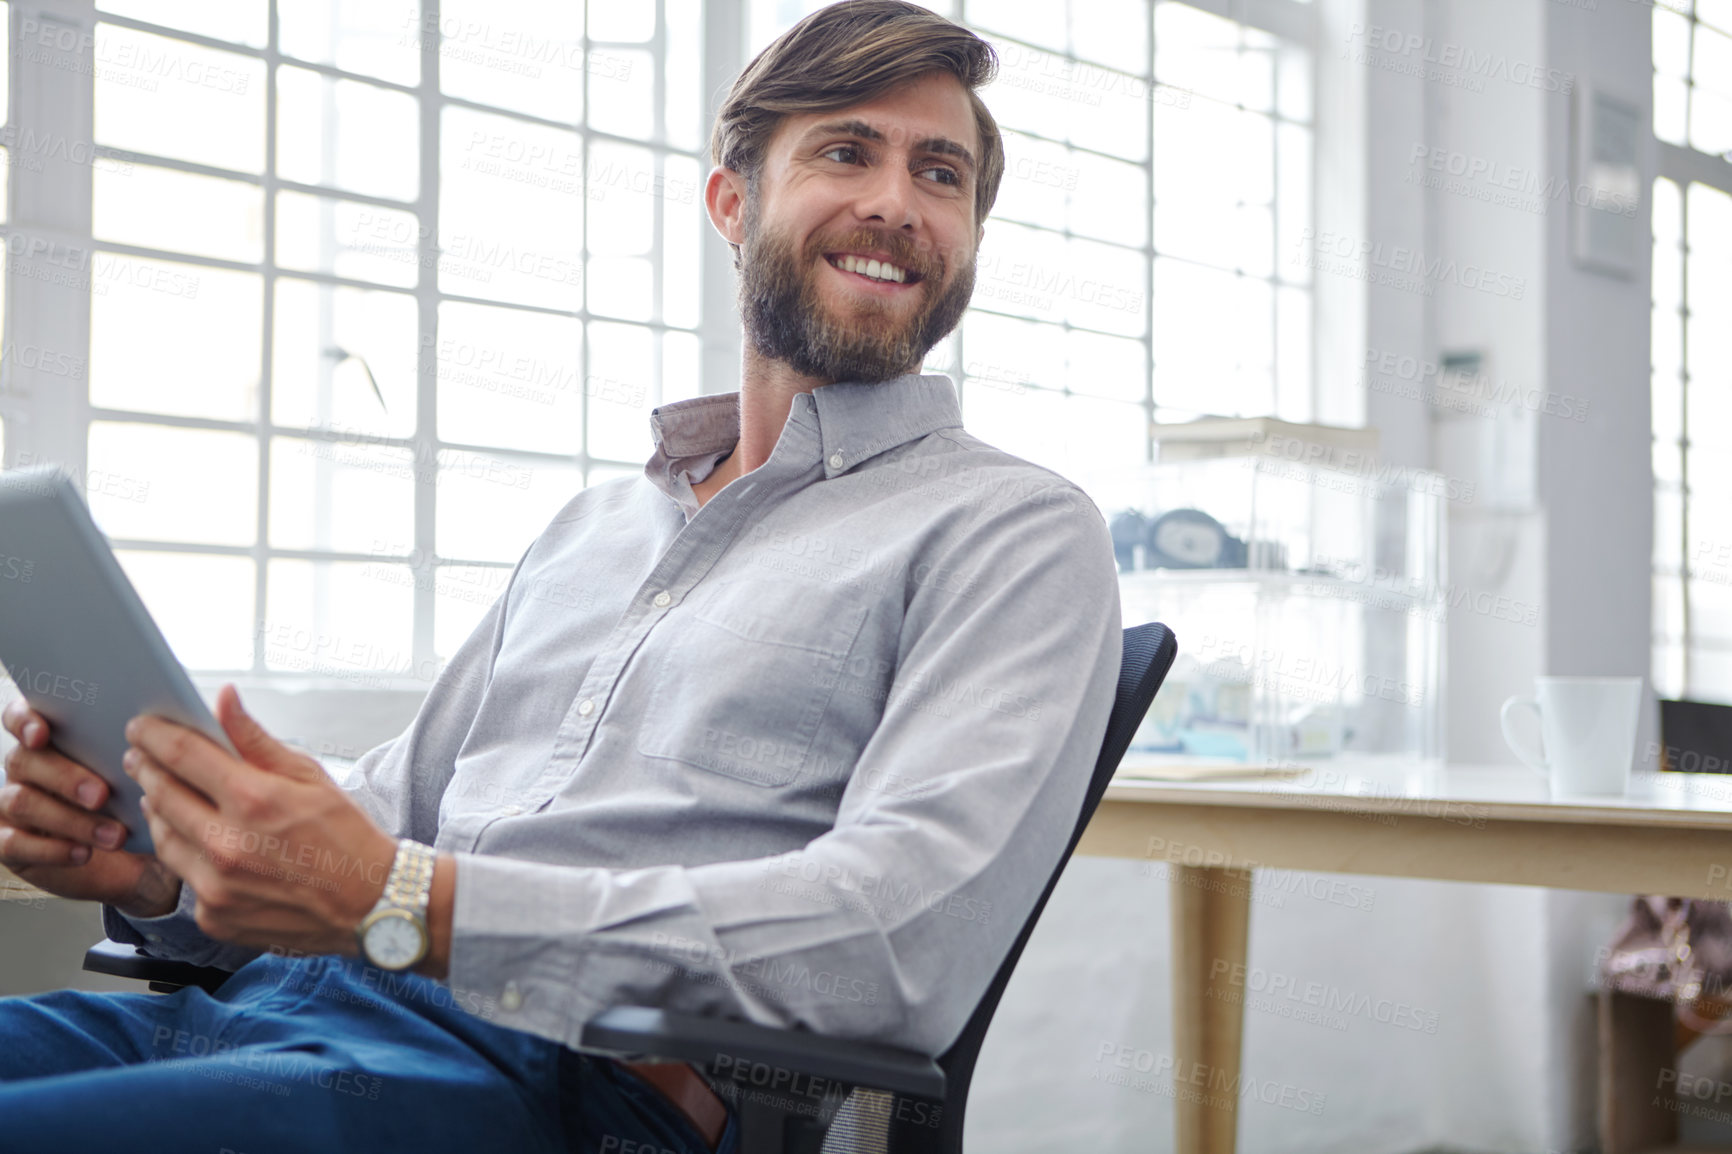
(1211, 922)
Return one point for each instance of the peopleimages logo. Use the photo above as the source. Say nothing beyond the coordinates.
(1463, 63)
(1399, 266)
(56, 685)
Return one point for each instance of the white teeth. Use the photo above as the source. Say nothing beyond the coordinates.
(877, 270)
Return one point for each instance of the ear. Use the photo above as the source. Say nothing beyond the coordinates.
(725, 200)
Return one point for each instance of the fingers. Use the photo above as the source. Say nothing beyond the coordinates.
(27, 806)
(258, 747)
(193, 757)
(57, 774)
(171, 801)
(25, 724)
(20, 847)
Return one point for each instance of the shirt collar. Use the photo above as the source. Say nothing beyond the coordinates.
(856, 420)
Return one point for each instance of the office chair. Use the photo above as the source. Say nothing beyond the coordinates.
(796, 1092)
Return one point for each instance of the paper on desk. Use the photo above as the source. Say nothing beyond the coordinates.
(1151, 770)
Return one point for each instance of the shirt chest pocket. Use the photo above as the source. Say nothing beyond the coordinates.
(743, 680)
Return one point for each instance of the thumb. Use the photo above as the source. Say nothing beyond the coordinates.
(255, 746)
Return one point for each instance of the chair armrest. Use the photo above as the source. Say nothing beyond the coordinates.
(124, 961)
(725, 1046)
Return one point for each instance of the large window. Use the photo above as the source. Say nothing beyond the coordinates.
(374, 287)
(332, 303)
(1692, 350)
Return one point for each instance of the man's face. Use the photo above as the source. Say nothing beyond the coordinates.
(891, 181)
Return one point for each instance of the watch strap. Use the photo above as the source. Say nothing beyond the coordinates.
(409, 885)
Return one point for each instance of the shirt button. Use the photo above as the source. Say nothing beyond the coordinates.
(662, 600)
(511, 1000)
(585, 707)
(835, 460)
(153, 937)
(512, 810)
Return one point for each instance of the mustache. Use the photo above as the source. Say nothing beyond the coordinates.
(924, 262)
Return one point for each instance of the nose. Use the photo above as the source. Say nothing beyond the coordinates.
(889, 197)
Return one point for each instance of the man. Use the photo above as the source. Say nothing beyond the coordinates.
(791, 729)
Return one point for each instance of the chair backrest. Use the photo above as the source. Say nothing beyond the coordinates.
(1149, 652)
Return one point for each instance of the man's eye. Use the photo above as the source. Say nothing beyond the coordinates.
(842, 154)
(942, 175)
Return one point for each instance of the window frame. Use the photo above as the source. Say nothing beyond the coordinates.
(1683, 165)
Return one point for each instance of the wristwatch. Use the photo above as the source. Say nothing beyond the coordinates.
(394, 933)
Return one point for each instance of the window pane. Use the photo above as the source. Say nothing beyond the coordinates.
(241, 21)
(683, 228)
(341, 494)
(5, 63)
(171, 98)
(1041, 276)
(203, 605)
(525, 55)
(622, 92)
(622, 188)
(376, 37)
(345, 134)
(1209, 358)
(1711, 63)
(152, 207)
(503, 237)
(347, 239)
(335, 619)
(624, 287)
(1105, 366)
(1710, 121)
(621, 379)
(1037, 22)
(343, 358)
(1019, 422)
(167, 484)
(1011, 354)
(1671, 104)
(1196, 50)
(681, 74)
(491, 507)
(1293, 399)
(174, 338)
(1112, 32)
(1107, 200)
(680, 356)
(623, 20)
(509, 378)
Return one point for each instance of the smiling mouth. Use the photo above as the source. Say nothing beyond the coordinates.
(873, 269)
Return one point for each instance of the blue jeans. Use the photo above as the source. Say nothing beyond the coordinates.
(297, 1055)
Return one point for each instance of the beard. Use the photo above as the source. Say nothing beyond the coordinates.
(785, 318)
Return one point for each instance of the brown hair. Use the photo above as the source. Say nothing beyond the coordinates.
(847, 54)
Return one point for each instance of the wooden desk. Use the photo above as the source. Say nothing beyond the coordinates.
(1492, 824)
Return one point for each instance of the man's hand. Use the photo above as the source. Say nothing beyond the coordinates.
(275, 852)
(52, 836)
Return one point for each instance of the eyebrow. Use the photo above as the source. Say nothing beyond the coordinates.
(941, 145)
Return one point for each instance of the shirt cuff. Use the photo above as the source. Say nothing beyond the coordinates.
(176, 936)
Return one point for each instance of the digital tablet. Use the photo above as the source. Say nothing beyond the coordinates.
(78, 642)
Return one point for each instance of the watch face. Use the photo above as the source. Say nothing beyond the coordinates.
(394, 941)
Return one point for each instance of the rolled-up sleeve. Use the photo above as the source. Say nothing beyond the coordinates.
(890, 926)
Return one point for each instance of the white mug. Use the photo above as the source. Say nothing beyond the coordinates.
(1588, 728)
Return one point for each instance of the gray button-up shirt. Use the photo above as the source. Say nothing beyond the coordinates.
(805, 755)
